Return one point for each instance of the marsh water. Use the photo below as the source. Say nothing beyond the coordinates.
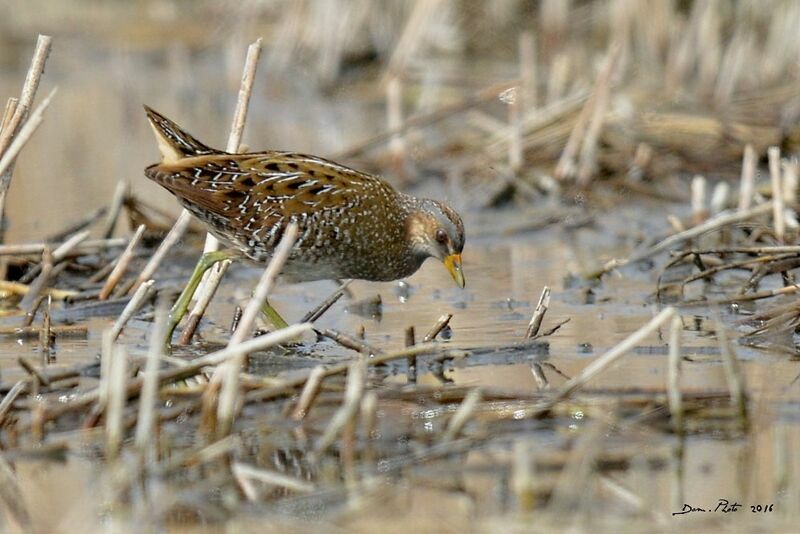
(505, 276)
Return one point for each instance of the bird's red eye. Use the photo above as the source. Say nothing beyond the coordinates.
(441, 236)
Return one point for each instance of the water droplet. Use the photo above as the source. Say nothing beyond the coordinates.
(509, 96)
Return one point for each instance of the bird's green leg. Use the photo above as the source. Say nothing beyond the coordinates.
(178, 310)
(273, 316)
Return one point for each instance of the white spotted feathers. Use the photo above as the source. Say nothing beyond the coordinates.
(352, 224)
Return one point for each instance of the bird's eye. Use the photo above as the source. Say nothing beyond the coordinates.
(441, 236)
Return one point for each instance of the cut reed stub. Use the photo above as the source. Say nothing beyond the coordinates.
(538, 313)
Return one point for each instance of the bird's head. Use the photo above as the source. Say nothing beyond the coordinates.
(435, 230)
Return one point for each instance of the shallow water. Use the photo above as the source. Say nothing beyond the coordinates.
(505, 276)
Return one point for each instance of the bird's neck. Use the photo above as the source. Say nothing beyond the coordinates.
(416, 221)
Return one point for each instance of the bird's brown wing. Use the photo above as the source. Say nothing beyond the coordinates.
(262, 189)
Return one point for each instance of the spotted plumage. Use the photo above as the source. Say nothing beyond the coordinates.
(351, 224)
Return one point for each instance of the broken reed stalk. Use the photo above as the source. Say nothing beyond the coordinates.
(394, 118)
(61, 252)
(515, 158)
(121, 265)
(462, 415)
(748, 179)
(190, 369)
(522, 479)
(588, 155)
(213, 276)
(265, 284)
(40, 378)
(369, 419)
(30, 314)
(117, 395)
(19, 127)
(246, 486)
(538, 313)
(309, 393)
(173, 236)
(201, 304)
(240, 115)
(772, 249)
(557, 78)
(411, 363)
(131, 308)
(39, 284)
(21, 289)
(566, 166)
(719, 198)
(29, 88)
(604, 361)
(10, 155)
(437, 328)
(419, 20)
(528, 72)
(237, 316)
(631, 499)
(778, 205)
(751, 261)
(83, 248)
(539, 376)
(791, 181)
(270, 478)
(31, 331)
(354, 391)
(347, 455)
(699, 209)
(102, 390)
(749, 297)
(555, 328)
(243, 99)
(674, 375)
(37, 426)
(145, 422)
(228, 375)
(13, 498)
(11, 396)
(526, 98)
(11, 107)
(246, 347)
(199, 457)
(351, 343)
(723, 219)
(325, 305)
(410, 339)
(117, 201)
(733, 373)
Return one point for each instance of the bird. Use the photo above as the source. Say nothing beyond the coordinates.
(351, 224)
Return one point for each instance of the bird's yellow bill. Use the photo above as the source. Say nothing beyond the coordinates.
(453, 264)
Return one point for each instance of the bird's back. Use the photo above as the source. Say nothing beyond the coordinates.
(351, 223)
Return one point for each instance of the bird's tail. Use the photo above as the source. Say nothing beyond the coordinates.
(174, 142)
